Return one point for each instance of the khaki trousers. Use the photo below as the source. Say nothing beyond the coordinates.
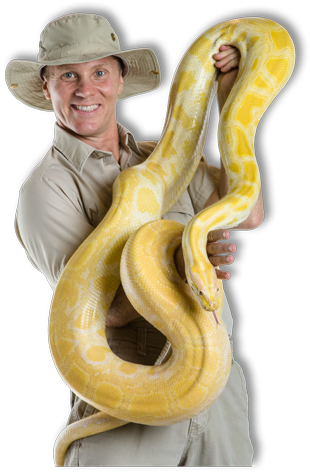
(217, 437)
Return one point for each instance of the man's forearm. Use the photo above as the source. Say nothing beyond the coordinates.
(257, 214)
(121, 311)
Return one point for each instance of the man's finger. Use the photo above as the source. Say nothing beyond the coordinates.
(230, 66)
(224, 50)
(222, 274)
(221, 61)
(216, 235)
(221, 260)
(220, 248)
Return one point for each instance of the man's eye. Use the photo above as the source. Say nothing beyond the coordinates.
(99, 73)
(68, 75)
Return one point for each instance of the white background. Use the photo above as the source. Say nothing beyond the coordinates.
(31, 292)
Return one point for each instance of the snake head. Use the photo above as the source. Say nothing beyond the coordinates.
(204, 286)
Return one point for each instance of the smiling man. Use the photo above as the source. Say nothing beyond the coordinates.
(84, 98)
(80, 74)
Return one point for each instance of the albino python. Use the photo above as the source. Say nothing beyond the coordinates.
(193, 374)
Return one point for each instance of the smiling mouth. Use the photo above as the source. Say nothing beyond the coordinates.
(88, 108)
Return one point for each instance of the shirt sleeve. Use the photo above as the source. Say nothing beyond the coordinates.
(204, 182)
(50, 224)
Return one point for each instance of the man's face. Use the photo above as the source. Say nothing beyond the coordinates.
(84, 96)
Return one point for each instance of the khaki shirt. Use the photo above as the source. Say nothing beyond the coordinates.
(70, 191)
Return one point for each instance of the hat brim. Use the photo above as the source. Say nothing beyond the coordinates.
(22, 76)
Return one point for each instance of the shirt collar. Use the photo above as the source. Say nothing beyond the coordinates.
(128, 138)
(77, 152)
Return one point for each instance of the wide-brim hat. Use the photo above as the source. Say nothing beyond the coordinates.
(79, 38)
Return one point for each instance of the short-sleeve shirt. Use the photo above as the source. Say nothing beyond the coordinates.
(70, 191)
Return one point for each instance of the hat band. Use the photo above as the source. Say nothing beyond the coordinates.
(75, 51)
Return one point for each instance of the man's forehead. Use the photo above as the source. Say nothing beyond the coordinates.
(106, 61)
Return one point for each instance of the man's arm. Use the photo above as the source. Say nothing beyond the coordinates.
(227, 61)
(121, 311)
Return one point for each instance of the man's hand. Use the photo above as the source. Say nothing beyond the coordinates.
(215, 252)
(227, 61)
(122, 312)
(227, 58)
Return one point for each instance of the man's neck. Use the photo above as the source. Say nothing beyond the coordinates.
(107, 141)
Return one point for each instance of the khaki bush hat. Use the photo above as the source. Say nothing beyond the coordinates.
(79, 38)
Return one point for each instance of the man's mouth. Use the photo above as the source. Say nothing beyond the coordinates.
(88, 108)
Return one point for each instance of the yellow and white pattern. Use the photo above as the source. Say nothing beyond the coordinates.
(194, 373)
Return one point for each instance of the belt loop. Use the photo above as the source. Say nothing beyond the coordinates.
(141, 342)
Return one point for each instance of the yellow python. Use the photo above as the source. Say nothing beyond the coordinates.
(192, 376)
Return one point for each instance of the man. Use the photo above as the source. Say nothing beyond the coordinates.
(80, 74)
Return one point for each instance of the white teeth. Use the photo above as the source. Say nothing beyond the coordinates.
(90, 108)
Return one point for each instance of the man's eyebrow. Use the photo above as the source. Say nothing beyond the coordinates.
(105, 65)
(72, 66)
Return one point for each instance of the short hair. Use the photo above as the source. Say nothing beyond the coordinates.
(120, 64)
(44, 72)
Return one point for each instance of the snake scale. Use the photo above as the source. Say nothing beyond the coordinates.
(134, 245)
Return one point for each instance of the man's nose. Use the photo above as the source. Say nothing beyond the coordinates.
(84, 88)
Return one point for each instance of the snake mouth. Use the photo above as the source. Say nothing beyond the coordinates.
(205, 303)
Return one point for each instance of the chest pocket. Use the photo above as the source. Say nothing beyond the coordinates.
(182, 211)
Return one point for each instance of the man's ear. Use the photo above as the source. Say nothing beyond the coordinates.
(45, 90)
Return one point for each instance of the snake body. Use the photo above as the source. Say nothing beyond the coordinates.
(193, 375)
